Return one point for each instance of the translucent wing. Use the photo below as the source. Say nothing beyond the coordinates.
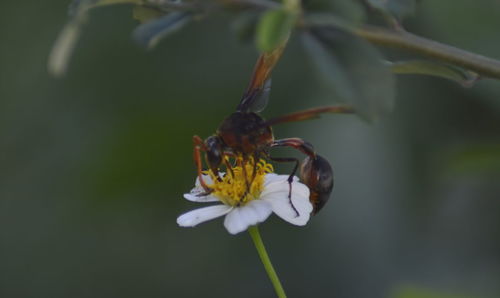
(256, 96)
(257, 100)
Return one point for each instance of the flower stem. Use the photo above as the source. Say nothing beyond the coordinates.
(264, 257)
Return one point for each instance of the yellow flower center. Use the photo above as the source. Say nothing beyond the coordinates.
(241, 185)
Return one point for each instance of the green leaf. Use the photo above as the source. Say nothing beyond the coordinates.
(274, 28)
(451, 72)
(149, 34)
(397, 8)
(353, 69)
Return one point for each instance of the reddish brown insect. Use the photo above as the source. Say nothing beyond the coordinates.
(246, 135)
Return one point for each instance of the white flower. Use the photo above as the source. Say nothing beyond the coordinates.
(270, 196)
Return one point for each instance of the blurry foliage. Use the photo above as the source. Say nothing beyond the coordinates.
(352, 12)
(474, 159)
(146, 14)
(93, 164)
(418, 292)
(352, 67)
(150, 33)
(274, 29)
(396, 8)
(464, 77)
(244, 26)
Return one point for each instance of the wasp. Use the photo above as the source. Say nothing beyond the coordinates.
(247, 137)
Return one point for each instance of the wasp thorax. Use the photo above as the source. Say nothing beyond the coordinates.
(245, 133)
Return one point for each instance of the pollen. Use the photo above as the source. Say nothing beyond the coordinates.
(241, 185)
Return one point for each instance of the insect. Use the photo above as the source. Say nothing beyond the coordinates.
(246, 136)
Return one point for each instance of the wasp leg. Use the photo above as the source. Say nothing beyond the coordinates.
(198, 146)
(310, 114)
(290, 178)
(297, 143)
(255, 162)
(315, 172)
(229, 167)
(242, 163)
(227, 162)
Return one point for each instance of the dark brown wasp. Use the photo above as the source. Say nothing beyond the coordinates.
(245, 134)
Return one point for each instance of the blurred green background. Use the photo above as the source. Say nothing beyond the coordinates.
(93, 167)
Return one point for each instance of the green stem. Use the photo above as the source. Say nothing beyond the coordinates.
(482, 65)
(264, 257)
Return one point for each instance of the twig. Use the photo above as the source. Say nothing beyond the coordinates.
(482, 65)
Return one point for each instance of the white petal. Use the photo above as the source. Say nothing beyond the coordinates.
(277, 185)
(271, 177)
(206, 178)
(240, 218)
(276, 194)
(197, 216)
(194, 195)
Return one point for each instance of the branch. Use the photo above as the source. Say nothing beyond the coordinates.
(482, 65)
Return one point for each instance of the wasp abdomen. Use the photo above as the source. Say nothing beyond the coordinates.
(317, 174)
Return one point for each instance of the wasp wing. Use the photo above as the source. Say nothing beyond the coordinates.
(256, 96)
(256, 100)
